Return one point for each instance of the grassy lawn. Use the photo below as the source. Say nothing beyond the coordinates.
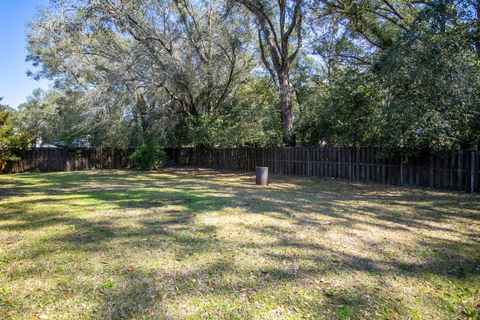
(197, 244)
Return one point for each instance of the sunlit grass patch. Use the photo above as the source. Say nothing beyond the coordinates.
(188, 244)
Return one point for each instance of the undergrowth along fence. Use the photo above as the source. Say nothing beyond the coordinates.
(457, 170)
(63, 159)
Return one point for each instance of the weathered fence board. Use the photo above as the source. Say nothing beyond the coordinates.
(449, 171)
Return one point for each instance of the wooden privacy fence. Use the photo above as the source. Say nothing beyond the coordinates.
(62, 159)
(457, 170)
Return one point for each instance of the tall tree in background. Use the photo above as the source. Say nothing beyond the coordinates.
(394, 73)
(279, 25)
(416, 59)
(11, 138)
(155, 63)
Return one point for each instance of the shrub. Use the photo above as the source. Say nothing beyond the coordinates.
(11, 139)
(148, 156)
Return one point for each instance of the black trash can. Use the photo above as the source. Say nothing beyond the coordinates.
(261, 176)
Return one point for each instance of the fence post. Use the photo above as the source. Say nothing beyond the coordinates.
(473, 171)
(401, 170)
(431, 176)
(460, 170)
(350, 163)
(309, 162)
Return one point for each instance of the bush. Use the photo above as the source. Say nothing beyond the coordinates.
(148, 156)
(11, 139)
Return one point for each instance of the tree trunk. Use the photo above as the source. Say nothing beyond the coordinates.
(276, 40)
(286, 108)
(142, 112)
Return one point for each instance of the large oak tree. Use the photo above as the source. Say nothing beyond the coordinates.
(279, 26)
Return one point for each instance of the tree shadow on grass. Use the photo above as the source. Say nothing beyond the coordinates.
(290, 262)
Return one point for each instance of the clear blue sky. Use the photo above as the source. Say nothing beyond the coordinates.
(15, 86)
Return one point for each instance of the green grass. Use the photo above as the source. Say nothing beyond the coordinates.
(197, 244)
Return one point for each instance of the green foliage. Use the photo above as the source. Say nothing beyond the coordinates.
(53, 115)
(471, 313)
(11, 139)
(432, 78)
(413, 87)
(346, 313)
(343, 111)
(108, 285)
(250, 120)
(404, 75)
(148, 156)
(131, 87)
